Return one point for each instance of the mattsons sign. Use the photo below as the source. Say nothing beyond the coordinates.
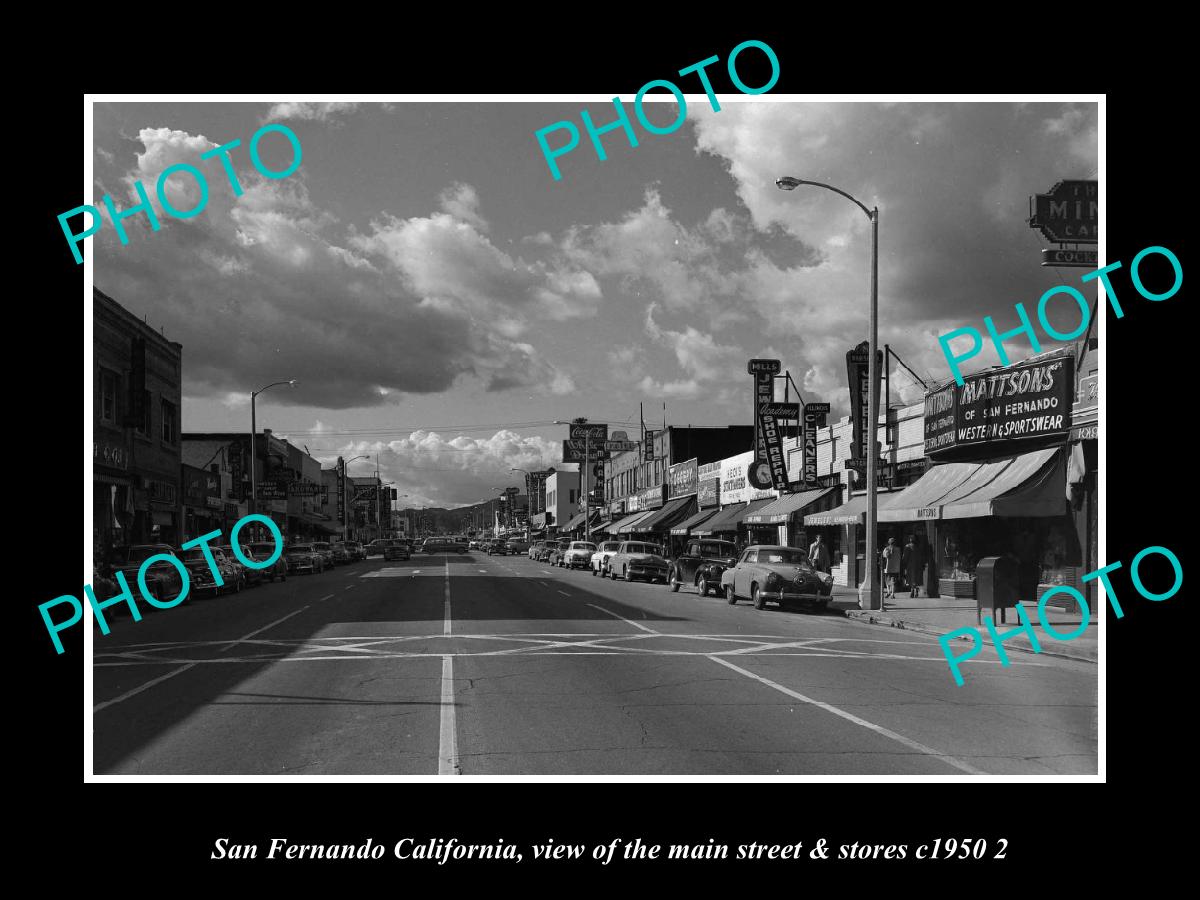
(1025, 402)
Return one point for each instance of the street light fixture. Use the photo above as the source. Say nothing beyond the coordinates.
(254, 445)
(870, 586)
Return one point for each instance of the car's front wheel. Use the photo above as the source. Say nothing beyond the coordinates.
(673, 580)
(702, 586)
(730, 596)
(757, 598)
(625, 574)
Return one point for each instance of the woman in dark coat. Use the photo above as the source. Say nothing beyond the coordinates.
(913, 564)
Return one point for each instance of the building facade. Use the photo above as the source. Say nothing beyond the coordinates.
(136, 449)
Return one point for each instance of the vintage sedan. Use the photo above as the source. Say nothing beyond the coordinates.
(557, 550)
(162, 578)
(516, 546)
(768, 573)
(261, 552)
(249, 576)
(599, 560)
(701, 564)
(304, 558)
(326, 551)
(578, 555)
(341, 554)
(535, 547)
(637, 559)
(396, 550)
(201, 573)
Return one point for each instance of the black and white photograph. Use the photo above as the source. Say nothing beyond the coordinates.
(704, 434)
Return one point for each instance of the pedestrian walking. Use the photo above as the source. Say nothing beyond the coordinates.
(891, 567)
(912, 561)
(818, 554)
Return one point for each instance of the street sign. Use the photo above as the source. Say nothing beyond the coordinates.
(305, 489)
(781, 410)
(1068, 214)
(771, 366)
(616, 446)
(1084, 259)
(817, 408)
(596, 433)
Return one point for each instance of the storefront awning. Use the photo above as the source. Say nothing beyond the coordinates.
(849, 513)
(615, 525)
(576, 521)
(1028, 484)
(675, 511)
(784, 508)
(725, 520)
(694, 521)
(634, 523)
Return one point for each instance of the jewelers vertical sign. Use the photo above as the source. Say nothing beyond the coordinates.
(766, 433)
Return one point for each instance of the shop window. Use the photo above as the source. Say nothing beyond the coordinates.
(108, 396)
(169, 430)
(143, 426)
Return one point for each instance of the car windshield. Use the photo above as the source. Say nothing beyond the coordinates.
(321, 546)
(782, 556)
(611, 545)
(300, 548)
(583, 545)
(717, 549)
(265, 549)
(642, 548)
(195, 554)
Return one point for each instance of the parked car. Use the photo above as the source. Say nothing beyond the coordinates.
(558, 550)
(495, 547)
(249, 576)
(473, 545)
(357, 550)
(578, 555)
(443, 545)
(533, 548)
(599, 560)
(341, 554)
(326, 551)
(375, 548)
(264, 551)
(162, 579)
(637, 559)
(201, 573)
(516, 546)
(701, 564)
(304, 558)
(776, 574)
(396, 550)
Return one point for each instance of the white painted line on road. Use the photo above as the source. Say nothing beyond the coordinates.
(623, 619)
(446, 603)
(349, 587)
(543, 584)
(265, 627)
(327, 597)
(564, 593)
(850, 717)
(448, 733)
(149, 684)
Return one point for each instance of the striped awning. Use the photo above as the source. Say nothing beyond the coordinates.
(694, 521)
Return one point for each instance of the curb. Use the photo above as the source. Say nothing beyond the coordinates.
(1080, 654)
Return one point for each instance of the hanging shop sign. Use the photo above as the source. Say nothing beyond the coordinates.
(1026, 403)
(858, 374)
(683, 479)
(1068, 214)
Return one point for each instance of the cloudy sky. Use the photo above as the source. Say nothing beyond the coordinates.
(441, 299)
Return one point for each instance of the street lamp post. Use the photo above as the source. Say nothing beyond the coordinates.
(870, 586)
(583, 480)
(254, 446)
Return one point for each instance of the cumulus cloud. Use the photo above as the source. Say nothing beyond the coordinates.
(318, 112)
(261, 286)
(438, 470)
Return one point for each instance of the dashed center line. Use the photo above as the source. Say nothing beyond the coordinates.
(565, 594)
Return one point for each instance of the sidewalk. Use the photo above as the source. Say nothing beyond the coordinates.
(941, 616)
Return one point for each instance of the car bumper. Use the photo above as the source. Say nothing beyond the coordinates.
(648, 571)
(800, 596)
(302, 567)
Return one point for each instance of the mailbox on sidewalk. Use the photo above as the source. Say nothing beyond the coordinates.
(996, 586)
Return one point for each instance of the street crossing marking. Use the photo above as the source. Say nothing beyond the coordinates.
(623, 619)
(647, 642)
(850, 717)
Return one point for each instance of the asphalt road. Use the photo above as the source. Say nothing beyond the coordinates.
(476, 665)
